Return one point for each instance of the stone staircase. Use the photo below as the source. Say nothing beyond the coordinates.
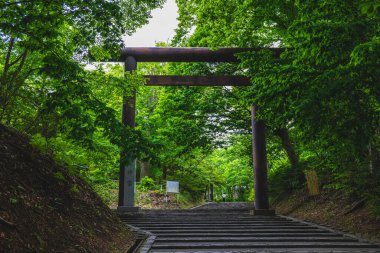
(242, 206)
(227, 228)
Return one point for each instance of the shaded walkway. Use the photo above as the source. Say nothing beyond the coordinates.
(230, 228)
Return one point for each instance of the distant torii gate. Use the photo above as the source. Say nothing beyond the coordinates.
(131, 56)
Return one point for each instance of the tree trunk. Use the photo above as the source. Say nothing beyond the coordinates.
(211, 192)
(288, 146)
(370, 165)
(144, 169)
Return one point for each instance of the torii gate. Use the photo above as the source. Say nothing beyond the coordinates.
(131, 56)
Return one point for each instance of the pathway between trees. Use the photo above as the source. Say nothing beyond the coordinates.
(229, 227)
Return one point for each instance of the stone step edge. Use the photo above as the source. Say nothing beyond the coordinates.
(291, 245)
(333, 230)
(144, 242)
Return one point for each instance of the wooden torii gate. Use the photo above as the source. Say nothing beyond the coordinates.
(131, 56)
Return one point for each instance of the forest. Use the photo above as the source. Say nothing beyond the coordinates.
(320, 100)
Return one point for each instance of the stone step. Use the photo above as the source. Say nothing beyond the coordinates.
(271, 250)
(232, 228)
(225, 205)
(205, 211)
(206, 224)
(257, 245)
(253, 231)
(257, 235)
(212, 218)
(189, 239)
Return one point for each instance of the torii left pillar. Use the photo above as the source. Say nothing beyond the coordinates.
(127, 173)
(260, 166)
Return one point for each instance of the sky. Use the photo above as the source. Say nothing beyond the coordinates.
(160, 28)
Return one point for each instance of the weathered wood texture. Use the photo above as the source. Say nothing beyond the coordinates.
(188, 54)
(259, 156)
(127, 172)
(197, 81)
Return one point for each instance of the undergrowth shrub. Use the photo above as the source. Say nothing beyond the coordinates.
(285, 179)
(146, 184)
(107, 191)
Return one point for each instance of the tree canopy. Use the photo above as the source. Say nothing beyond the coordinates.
(320, 99)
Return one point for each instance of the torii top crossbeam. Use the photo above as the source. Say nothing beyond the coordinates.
(187, 54)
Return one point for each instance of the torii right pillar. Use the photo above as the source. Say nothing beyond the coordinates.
(259, 156)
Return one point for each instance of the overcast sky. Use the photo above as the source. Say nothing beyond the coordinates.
(160, 28)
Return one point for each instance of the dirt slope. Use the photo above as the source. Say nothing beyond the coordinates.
(335, 209)
(45, 209)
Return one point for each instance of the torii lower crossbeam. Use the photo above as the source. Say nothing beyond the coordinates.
(197, 81)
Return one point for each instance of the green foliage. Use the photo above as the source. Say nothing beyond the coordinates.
(230, 170)
(40, 40)
(319, 99)
(284, 180)
(107, 191)
(323, 89)
(187, 200)
(46, 91)
(146, 184)
(13, 200)
(59, 176)
(74, 189)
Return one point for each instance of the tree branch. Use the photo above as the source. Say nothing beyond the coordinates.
(7, 223)
(18, 59)
(13, 92)
(18, 70)
(7, 58)
(287, 144)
